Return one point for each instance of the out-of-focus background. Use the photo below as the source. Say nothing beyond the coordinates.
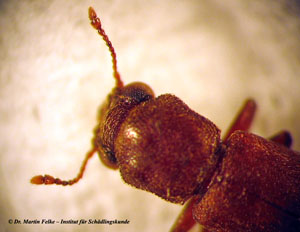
(55, 71)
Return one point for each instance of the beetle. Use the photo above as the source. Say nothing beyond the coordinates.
(242, 182)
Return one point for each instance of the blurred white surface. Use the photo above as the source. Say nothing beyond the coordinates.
(55, 71)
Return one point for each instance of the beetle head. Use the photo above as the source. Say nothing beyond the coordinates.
(112, 114)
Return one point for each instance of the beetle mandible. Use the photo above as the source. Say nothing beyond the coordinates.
(240, 183)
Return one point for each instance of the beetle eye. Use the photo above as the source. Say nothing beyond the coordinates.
(111, 156)
(108, 158)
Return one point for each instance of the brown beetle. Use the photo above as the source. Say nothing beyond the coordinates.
(241, 183)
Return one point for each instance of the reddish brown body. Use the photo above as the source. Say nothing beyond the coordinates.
(256, 188)
(243, 183)
(159, 149)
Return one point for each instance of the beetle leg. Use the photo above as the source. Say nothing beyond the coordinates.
(185, 220)
(284, 138)
(244, 118)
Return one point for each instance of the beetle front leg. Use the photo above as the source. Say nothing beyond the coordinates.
(244, 118)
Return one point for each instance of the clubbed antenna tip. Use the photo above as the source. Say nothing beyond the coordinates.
(47, 179)
(96, 23)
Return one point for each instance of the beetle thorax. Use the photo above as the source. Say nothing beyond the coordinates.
(166, 148)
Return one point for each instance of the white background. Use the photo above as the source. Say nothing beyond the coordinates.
(55, 71)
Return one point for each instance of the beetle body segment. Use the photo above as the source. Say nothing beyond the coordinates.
(256, 189)
(166, 148)
(112, 114)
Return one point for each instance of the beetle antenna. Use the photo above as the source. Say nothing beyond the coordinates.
(47, 179)
(96, 23)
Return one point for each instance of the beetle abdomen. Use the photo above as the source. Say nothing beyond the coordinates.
(166, 148)
(257, 188)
